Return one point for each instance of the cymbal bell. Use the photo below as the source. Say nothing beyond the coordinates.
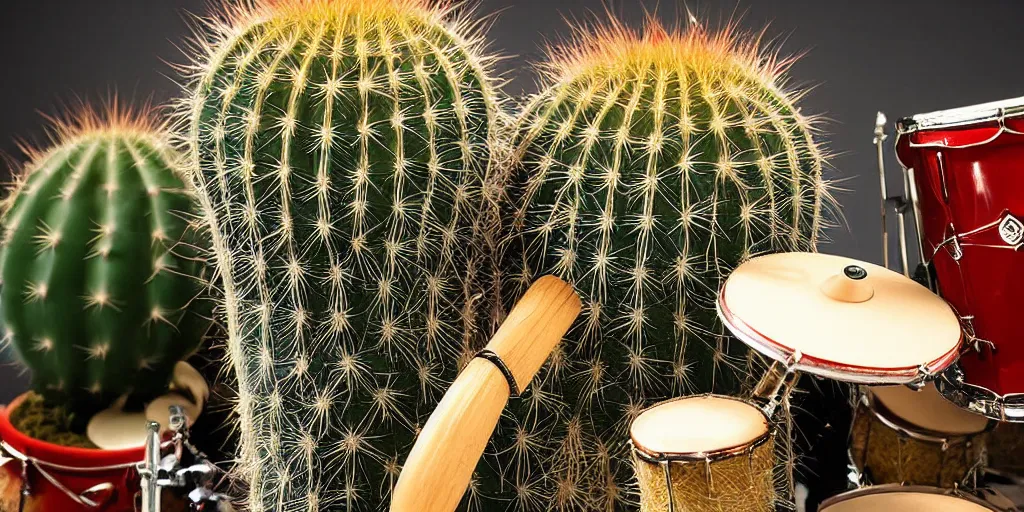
(840, 318)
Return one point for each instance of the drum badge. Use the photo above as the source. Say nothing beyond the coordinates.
(1011, 230)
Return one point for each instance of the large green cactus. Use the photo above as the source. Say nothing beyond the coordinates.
(102, 291)
(648, 167)
(340, 151)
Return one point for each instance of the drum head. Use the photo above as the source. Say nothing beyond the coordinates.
(840, 318)
(904, 499)
(697, 427)
(114, 429)
(926, 410)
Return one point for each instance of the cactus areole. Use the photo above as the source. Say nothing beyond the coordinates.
(340, 149)
(101, 291)
(649, 165)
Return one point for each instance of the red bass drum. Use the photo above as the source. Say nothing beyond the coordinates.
(966, 166)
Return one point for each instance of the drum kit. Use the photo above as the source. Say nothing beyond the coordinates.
(934, 354)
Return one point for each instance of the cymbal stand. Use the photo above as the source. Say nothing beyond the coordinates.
(149, 469)
(776, 384)
(900, 204)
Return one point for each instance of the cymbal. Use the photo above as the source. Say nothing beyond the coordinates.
(840, 318)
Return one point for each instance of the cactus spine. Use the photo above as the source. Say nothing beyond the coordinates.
(340, 149)
(648, 167)
(102, 291)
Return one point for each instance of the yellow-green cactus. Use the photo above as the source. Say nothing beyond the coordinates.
(340, 150)
(649, 165)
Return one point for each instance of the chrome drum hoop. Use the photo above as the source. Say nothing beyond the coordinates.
(897, 488)
(905, 429)
(962, 116)
(952, 386)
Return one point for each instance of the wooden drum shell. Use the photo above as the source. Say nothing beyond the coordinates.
(887, 450)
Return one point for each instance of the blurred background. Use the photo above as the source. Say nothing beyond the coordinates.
(859, 57)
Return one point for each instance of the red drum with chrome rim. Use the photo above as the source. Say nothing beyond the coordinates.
(967, 168)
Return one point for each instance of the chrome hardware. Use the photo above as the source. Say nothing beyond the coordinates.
(775, 386)
(954, 387)
(900, 204)
(149, 469)
(183, 467)
(879, 141)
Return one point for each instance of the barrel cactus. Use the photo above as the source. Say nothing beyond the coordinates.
(340, 149)
(102, 290)
(650, 164)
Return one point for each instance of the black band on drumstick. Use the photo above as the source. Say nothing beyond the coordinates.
(491, 356)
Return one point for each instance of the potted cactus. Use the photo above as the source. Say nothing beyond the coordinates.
(101, 298)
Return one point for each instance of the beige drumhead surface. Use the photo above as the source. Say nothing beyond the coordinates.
(927, 409)
(697, 425)
(905, 502)
(114, 429)
(805, 303)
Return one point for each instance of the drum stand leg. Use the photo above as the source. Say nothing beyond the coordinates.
(775, 386)
(149, 469)
(26, 488)
(668, 486)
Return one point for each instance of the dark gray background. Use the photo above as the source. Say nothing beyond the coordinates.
(899, 56)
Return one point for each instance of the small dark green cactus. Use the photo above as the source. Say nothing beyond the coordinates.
(101, 288)
(647, 168)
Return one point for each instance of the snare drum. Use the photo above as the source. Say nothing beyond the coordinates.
(966, 166)
(704, 453)
(915, 437)
(905, 499)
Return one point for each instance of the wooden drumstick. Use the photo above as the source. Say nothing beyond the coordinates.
(441, 463)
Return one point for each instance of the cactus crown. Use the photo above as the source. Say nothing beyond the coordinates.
(613, 48)
(113, 120)
(286, 12)
(101, 287)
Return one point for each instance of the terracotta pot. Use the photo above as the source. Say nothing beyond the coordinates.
(106, 478)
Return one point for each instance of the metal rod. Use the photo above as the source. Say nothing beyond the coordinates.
(668, 483)
(912, 184)
(149, 469)
(901, 212)
(879, 140)
(775, 386)
(901, 224)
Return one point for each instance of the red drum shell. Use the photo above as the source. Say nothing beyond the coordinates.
(969, 179)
